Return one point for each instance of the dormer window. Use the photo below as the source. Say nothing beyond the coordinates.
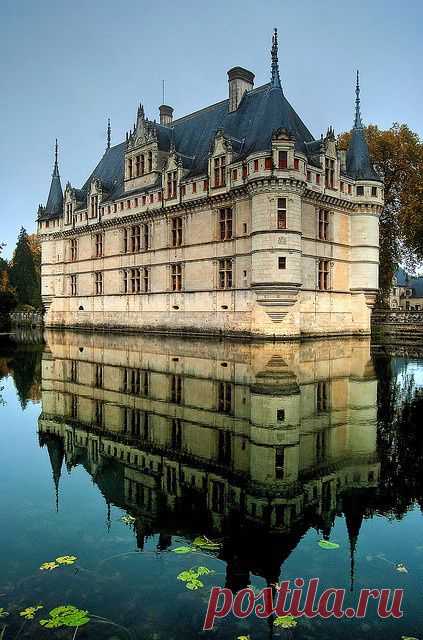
(296, 164)
(94, 206)
(69, 211)
(150, 161)
(171, 184)
(220, 171)
(283, 159)
(330, 173)
(360, 191)
(130, 168)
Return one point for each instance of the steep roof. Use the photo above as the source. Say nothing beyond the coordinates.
(359, 164)
(54, 206)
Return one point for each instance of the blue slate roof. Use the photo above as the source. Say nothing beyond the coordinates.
(359, 164)
(54, 206)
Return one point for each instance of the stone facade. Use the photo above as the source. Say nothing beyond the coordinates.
(266, 235)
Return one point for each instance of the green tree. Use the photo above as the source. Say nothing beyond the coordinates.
(24, 276)
(397, 154)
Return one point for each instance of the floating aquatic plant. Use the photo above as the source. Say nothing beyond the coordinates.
(183, 550)
(65, 616)
(66, 559)
(127, 519)
(191, 577)
(3, 613)
(326, 544)
(401, 567)
(49, 566)
(29, 612)
(243, 638)
(202, 542)
(285, 622)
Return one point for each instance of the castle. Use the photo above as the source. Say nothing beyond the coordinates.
(232, 220)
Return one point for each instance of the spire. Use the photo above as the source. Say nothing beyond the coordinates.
(54, 206)
(357, 122)
(276, 80)
(109, 134)
(56, 454)
(359, 165)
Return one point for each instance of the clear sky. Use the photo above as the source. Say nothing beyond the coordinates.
(65, 66)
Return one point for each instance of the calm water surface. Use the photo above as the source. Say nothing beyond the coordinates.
(120, 449)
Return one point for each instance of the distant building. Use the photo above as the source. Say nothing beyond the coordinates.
(232, 220)
(406, 292)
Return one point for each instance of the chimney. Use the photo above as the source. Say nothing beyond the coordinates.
(166, 115)
(240, 80)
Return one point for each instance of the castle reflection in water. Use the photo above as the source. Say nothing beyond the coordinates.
(250, 443)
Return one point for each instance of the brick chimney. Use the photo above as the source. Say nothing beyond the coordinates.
(166, 115)
(240, 80)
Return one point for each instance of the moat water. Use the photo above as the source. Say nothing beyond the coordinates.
(123, 451)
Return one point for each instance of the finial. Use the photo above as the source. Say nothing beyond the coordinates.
(276, 80)
(357, 122)
(56, 164)
(109, 133)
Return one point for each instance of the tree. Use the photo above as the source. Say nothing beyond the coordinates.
(7, 295)
(397, 154)
(23, 273)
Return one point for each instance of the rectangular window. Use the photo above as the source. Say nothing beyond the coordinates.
(146, 280)
(323, 224)
(268, 162)
(341, 187)
(281, 262)
(224, 447)
(69, 213)
(135, 239)
(146, 236)
(360, 191)
(74, 407)
(150, 161)
(256, 165)
(224, 397)
(129, 167)
(205, 185)
(220, 171)
(74, 249)
(73, 376)
(135, 202)
(374, 192)
(98, 413)
(283, 159)
(176, 277)
(323, 275)
(296, 164)
(176, 434)
(73, 286)
(176, 232)
(235, 174)
(317, 178)
(225, 273)
(183, 190)
(225, 223)
(132, 381)
(99, 245)
(308, 176)
(98, 379)
(93, 206)
(194, 187)
(349, 189)
(171, 184)
(330, 173)
(135, 280)
(279, 462)
(281, 213)
(176, 389)
(322, 396)
(244, 170)
(99, 283)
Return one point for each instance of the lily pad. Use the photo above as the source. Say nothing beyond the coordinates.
(3, 613)
(29, 612)
(204, 543)
(66, 559)
(182, 550)
(127, 519)
(49, 566)
(194, 584)
(285, 622)
(401, 568)
(326, 544)
(66, 616)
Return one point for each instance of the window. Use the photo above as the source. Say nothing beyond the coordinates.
(129, 167)
(279, 462)
(145, 279)
(176, 277)
(176, 435)
(142, 164)
(183, 190)
(128, 204)
(73, 286)
(94, 206)
(225, 223)
(144, 200)
(133, 421)
(283, 159)
(176, 232)
(135, 280)
(322, 396)
(268, 162)
(374, 192)
(146, 236)
(99, 245)
(73, 376)
(330, 173)
(317, 178)
(235, 174)
(281, 213)
(194, 187)
(135, 239)
(98, 413)
(150, 161)
(220, 171)
(99, 283)
(360, 191)
(115, 208)
(171, 184)
(69, 211)
(296, 164)
(205, 185)
(281, 262)
(225, 273)
(98, 381)
(217, 496)
(320, 446)
(244, 170)
(349, 189)
(308, 176)
(224, 447)
(280, 415)
(256, 165)
(135, 202)
(323, 224)
(132, 381)
(323, 276)
(176, 389)
(74, 249)
(74, 407)
(224, 397)
(121, 205)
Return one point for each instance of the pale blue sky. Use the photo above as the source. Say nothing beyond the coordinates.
(66, 66)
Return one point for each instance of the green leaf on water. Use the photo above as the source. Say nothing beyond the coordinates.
(66, 559)
(325, 544)
(186, 576)
(49, 566)
(285, 622)
(204, 543)
(203, 571)
(408, 638)
(65, 616)
(127, 519)
(190, 577)
(3, 613)
(29, 612)
(182, 550)
(243, 638)
(401, 568)
(194, 584)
